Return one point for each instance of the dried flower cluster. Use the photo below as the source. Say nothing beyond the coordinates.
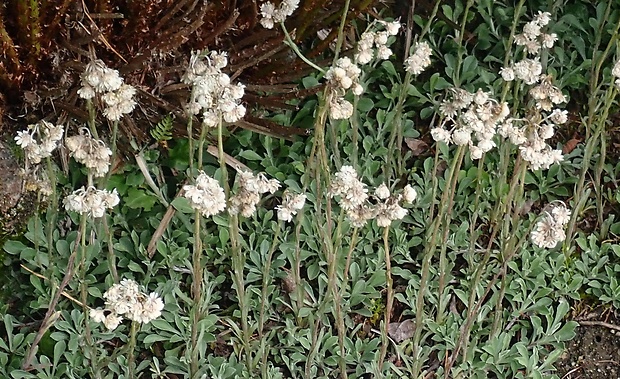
(420, 59)
(353, 198)
(39, 140)
(251, 187)
(127, 300)
(272, 15)
(206, 196)
(474, 118)
(92, 153)
(97, 78)
(344, 75)
(213, 94)
(549, 230)
(291, 203)
(371, 41)
(91, 201)
(532, 132)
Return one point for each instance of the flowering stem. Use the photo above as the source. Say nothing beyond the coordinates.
(84, 298)
(201, 144)
(196, 292)
(267, 280)
(300, 292)
(111, 255)
(290, 43)
(457, 70)
(428, 255)
(91, 118)
(238, 264)
(349, 254)
(52, 214)
(427, 27)
(389, 298)
(190, 134)
(113, 148)
(343, 23)
(396, 139)
(132, 349)
(443, 264)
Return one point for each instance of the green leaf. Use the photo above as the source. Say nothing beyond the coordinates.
(138, 199)
(250, 155)
(365, 104)
(181, 204)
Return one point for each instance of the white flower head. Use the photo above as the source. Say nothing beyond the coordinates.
(382, 192)
(206, 196)
(409, 194)
(420, 59)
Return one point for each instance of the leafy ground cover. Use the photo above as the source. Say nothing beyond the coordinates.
(450, 213)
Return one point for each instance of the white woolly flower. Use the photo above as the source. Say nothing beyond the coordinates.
(92, 153)
(91, 201)
(98, 78)
(392, 27)
(382, 192)
(559, 116)
(47, 137)
(126, 299)
(272, 15)
(409, 194)
(507, 74)
(352, 192)
(291, 204)
(340, 109)
(251, 187)
(549, 230)
(440, 135)
(420, 59)
(206, 196)
(389, 211)
(528, 70)
(213, 92)
(112, 321)
(561, 214)
(98, 315)
(119, 102)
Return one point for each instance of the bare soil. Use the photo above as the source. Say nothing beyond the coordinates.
(594, 353)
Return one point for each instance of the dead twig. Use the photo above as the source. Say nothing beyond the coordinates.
(599, 323)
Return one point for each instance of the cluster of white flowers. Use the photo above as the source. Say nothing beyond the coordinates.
(119, 97)
(531, 133)
(475, 117)
(119, 102)
(353, 198)
(213, 93)
(206, 196)
(291, 203)
(420, 59)
(549, 230)
(272, 15)
(344, 75)
(91, 201)
(528, 70)
(39, 140)
(251, 187)
(532, 38)
(371, 40)
(92, 153)
(127, 300)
